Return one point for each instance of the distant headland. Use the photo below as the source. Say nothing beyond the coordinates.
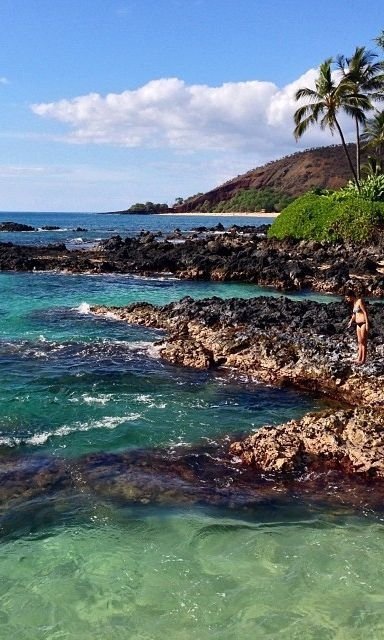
(266, 189)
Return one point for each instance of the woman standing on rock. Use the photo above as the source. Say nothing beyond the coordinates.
(360, 318)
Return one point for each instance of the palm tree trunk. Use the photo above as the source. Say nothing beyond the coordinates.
(358, 162)
(352, 168)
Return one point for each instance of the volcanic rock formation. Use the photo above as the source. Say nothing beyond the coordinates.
(237, 255)
(283, 342)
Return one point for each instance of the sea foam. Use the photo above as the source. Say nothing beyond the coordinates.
(83, 308)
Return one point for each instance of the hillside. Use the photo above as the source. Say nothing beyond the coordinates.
(293, 175)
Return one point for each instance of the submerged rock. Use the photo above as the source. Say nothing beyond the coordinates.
(245, 476)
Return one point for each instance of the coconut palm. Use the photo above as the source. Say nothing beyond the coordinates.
(380, 40)
(324, 103)
(373, 167)
(365, 78)
(373, 134)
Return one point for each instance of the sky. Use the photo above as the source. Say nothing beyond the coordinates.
(105, 103)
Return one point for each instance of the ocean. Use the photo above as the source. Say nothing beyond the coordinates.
(86, 567)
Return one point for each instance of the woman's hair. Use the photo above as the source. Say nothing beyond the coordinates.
(349, 293)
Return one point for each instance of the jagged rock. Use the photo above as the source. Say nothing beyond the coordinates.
(15, 226)
(278, 341)
(352, 441)
(241, 254)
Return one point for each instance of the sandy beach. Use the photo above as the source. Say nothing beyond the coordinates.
(234, 214)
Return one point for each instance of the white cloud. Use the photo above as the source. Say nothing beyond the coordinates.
(13, 171)
(4, 80)
(168, 113)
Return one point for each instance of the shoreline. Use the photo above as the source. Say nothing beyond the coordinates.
(312, 354)
(234, 214)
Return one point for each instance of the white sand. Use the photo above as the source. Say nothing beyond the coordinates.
(234, 214)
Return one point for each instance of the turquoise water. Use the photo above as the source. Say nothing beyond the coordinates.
(84, 567)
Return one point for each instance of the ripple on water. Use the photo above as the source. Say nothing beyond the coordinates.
(192, 576)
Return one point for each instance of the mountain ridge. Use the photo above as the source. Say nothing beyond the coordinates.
(293, 175)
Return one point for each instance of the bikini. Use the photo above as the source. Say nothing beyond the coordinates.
(358, 309)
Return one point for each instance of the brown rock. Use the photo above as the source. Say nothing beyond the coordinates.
(351, 440)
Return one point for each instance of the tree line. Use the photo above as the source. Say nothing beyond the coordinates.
(353, 85)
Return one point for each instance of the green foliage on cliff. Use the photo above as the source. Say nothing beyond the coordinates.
(250, 200)
(148, 207)
(321, 217)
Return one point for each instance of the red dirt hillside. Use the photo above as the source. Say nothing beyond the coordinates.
(293, 175)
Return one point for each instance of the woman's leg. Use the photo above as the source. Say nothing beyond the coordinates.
(362, 343)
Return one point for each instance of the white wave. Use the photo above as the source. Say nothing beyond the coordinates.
(153, 350)
(150, 401)
(102, 399)
(146, 398)
(163, 278)
(38, 354)
(83, 308)
(142, 347)
(112, 316)
(37, 439)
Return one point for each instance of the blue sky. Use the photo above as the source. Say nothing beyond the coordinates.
(109, 102)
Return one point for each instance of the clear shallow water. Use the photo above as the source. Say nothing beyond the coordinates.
(194, 575)
(73, 383)
(70, 377)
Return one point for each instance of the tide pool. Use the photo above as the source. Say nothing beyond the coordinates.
(83, 567)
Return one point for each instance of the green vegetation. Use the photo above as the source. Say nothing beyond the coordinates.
(323, 217)
(250, 200)
(357, 87)
(148, 207)
(372, 188)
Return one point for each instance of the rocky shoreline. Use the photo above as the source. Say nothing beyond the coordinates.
(284, 342)
(276, 340)
(333, 457)
(238, 254)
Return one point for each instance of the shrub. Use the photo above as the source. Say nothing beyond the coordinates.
(372, 188)
(322, 217)
(251, 200)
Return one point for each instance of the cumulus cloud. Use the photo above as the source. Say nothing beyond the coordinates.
(168, 113)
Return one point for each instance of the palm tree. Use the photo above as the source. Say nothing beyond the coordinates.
(323, 106)
(373, 167)
(373, 134)
(380, 40)
(365, 79)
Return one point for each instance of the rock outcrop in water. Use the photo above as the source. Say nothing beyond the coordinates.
(278, 341)
(333, 458)
(284, 342)
(350, 441)
(237, 255)
(15, 226)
